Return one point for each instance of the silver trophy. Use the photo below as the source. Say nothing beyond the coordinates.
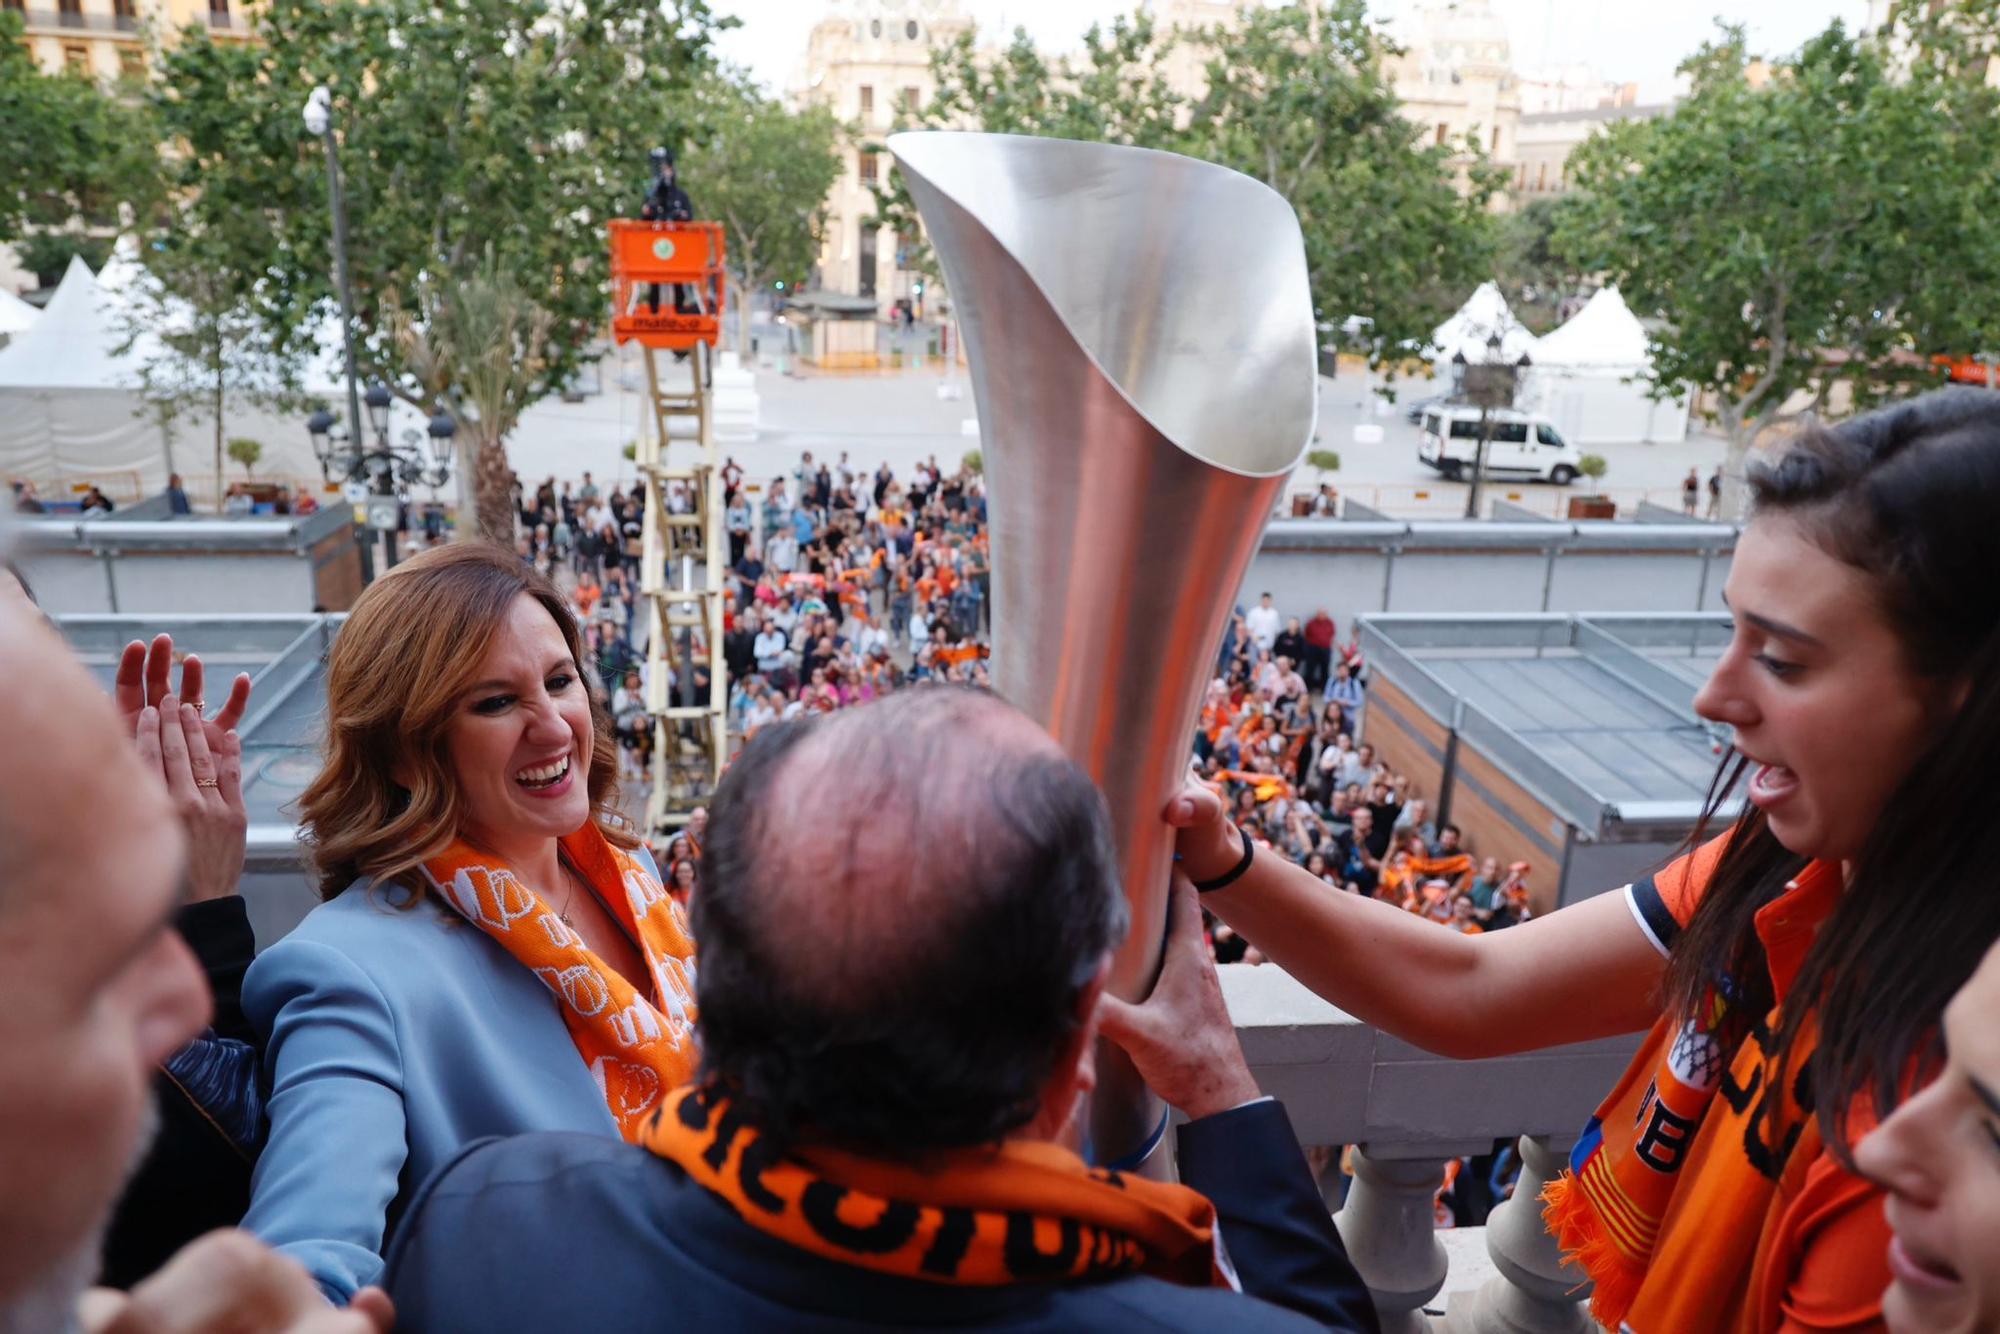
(1139, 329)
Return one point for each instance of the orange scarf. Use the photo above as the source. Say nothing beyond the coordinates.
(637, 1047)
(1677, 1201)
(1019, 1212)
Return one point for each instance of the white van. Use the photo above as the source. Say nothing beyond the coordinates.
(1523, 445)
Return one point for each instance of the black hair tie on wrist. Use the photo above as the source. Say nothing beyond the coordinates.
(1234, 873)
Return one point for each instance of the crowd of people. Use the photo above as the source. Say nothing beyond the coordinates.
(1280, 740)
(842, 586)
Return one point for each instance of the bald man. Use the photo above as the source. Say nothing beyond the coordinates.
(907, 915)
(96, 990)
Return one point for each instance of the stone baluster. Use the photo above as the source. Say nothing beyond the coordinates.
(1535, 1291)
(1389, 1225)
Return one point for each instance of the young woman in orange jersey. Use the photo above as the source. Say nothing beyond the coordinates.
(1791, 970)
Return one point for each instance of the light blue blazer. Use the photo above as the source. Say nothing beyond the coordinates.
(391, 1040)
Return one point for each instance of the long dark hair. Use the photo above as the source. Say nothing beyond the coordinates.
(1909, 496)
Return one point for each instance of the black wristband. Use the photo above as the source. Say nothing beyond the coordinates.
(1234, 873)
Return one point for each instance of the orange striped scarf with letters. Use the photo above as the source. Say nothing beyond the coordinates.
(637, 1047)
(1010, 1213)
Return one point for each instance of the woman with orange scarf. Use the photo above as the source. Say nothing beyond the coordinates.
(1790, 971)
(495, 952)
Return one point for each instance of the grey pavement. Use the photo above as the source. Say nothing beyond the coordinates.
(901, 417)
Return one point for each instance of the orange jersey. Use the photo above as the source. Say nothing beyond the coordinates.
(1701, 1196)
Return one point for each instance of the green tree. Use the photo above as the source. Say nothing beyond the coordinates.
(75, 153)
(202, 347)
(1527, 259)
(1831, 227)
(505, 128)
(763, 171)
(1297, 97)
(480, 346)
(246, 451)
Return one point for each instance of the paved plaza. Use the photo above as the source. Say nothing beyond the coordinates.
(901, 417)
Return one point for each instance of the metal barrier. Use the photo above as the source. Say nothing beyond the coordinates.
(1508, 749)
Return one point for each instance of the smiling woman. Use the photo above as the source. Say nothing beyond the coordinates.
(494, 954)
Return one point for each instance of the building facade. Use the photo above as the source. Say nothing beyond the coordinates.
(1455, 76)
(109, 39)
(869, 62)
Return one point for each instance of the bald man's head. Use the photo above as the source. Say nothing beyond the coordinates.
(901, 907)
(95, 988)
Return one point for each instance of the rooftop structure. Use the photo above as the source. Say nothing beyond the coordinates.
(1566, 741)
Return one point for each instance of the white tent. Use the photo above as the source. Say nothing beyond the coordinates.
(73, 410)
(1469, 333)
(16, 317)
(1590, 378)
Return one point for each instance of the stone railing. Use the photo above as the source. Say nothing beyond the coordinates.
(1408, 1113)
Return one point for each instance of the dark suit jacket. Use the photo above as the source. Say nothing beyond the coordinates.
(554, 1231)
(195, 1176)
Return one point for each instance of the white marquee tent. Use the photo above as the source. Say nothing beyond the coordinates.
(1469, 333)
(1590, 378)
(16, 317)
(72, 408)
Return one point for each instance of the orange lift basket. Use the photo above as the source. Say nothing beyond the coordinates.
(666, 283)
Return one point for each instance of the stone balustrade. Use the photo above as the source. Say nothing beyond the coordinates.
(1408, 1113)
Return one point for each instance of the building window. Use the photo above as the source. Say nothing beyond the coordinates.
(912, 98)
(1496, 140)
(131, 63)
(869, 166)
(218, 13)
(69, 13)
(76, 58)
(1541, 178)
(13, 6)
(910, 30)
(124, 15)
(867, 101)
(1442, 131)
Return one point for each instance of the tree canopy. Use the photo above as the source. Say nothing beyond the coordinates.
(1830, 226)
(763, 171)
(487, 138)
(92, 151)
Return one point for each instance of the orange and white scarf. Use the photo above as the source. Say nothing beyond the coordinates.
(638, 1047)
(1012, 1213)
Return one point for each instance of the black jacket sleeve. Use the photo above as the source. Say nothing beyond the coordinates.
(218, 931)
(1276, 1226)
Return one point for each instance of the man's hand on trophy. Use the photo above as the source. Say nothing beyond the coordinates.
(1206, 842)
(1181, 1038)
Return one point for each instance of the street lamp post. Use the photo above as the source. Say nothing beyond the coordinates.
(387, 467)
(319, 121)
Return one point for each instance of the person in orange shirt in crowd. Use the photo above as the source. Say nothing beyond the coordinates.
(1791, 971)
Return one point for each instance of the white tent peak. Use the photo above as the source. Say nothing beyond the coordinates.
(1484, 314)
(16, 315)
(74, 343)
(1604, 333)
(123, 269)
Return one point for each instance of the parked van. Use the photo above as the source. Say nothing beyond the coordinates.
(1523, 445)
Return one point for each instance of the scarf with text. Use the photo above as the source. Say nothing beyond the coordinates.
(1019, 1212)
(1674, 1198)
(637, 1047)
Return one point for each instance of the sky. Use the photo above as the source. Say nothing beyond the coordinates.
(1625, 41)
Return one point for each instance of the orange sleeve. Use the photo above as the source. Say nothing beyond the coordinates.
(1837, 1241)
(1665, 901)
